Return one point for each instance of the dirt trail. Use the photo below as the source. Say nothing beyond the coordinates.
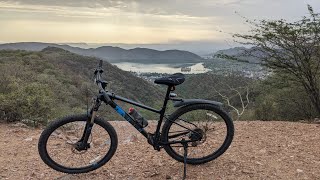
(260, 150)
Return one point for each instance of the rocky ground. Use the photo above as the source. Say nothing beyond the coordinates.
(260, 150)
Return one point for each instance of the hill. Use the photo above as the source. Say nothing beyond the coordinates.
(115, 54)
(241, 54)
(55, 82)
(237, 61)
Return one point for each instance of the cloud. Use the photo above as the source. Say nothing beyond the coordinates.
(157, 7)
(69, 3)
(106, 23)
(194, 8)
(138, 20)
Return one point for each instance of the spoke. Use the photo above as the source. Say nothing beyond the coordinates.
(185, 127)
(78, 133)
(67, 159)
(177, 135)
(187, 121)
(176, 131)
(205, 120)
(93, 157)
(215, 128)
(83, 160)
(54, 153)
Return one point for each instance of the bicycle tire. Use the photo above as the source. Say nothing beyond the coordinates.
(55, 125)
(191, 108)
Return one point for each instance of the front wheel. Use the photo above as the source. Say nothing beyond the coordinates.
(207, 127)
(58, 144)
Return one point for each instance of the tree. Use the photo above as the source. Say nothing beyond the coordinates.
(279, 99)
(290, 48)
(241, 93)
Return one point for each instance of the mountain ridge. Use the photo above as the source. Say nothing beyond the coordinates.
(114, 54)
(242, 54)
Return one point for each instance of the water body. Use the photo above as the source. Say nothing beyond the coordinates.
(162, 68)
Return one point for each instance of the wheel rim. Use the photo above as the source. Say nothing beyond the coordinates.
(208, 123)
(61, 146)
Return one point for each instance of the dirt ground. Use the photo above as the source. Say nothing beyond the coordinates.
(260, 150)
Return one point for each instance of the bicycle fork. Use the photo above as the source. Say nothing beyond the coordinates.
(83, 144)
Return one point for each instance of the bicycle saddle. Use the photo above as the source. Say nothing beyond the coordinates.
(173, 80)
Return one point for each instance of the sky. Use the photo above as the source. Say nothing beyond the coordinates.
(139, 21)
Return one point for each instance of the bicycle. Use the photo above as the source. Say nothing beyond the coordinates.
(186, 134)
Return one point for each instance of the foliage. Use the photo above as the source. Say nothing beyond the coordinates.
(290, 49)
(278, 98)
(211, 87)
(226, 65)
(40, 86)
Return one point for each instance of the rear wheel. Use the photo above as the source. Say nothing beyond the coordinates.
(208, 126)
(58, 145)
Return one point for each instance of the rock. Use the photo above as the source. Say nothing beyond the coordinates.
(154, 174)
(112, 175)
(299, 170)
(168, 177)
(234, 168)
(28, 139)
(246, 171)
(65, 177)
(263, 151)
(131, 139)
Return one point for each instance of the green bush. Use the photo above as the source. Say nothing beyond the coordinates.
(281, 99)
(32, 101)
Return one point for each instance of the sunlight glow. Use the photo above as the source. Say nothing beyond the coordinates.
(66, 24)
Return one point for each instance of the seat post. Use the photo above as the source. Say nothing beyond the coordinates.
(157, 135)
(167, 97)
(168, 91)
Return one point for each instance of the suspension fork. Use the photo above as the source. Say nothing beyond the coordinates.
(89, 123)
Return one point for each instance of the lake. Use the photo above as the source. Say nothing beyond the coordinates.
(187, 68)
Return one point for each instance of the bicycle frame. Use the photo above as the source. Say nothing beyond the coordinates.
(108, 98)
(155, 141)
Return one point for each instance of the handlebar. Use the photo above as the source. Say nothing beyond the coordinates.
(101, 84)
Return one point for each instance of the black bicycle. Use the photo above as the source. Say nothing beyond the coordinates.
(198, 132)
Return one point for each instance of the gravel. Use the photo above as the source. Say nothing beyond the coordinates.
(260, 150)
